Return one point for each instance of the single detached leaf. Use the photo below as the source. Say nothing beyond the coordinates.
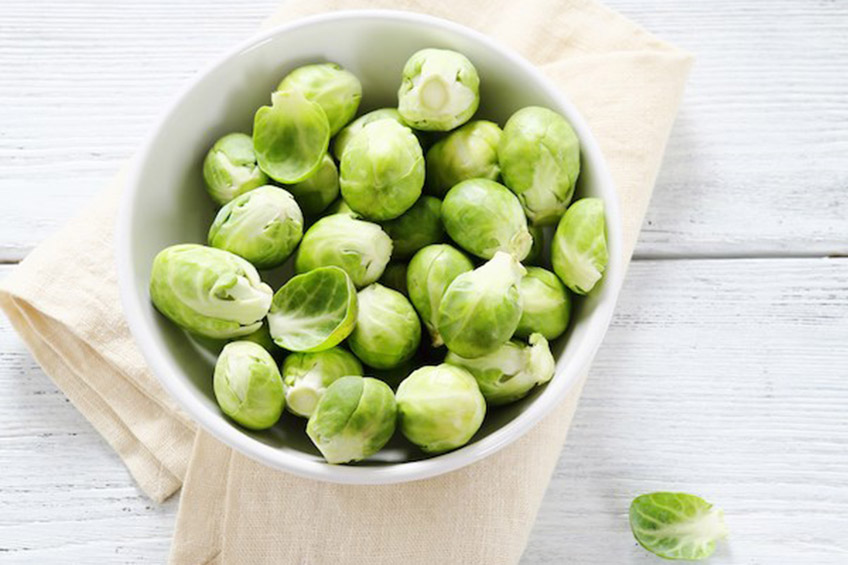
(313, 311)
(676, 525)
(290, 137)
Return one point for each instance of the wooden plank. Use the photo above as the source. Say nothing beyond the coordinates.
(755, 166)
(724, 378)
(756, 163)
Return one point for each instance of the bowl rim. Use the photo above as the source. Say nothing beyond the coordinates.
(558, 388)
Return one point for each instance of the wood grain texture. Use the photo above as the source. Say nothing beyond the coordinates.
(726, 378)
(756, 164)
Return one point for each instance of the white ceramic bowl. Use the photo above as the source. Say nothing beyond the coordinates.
(165, 203)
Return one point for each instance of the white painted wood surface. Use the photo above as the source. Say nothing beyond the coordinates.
(727, 378)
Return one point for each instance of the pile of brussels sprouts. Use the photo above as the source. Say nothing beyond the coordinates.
(385, 239)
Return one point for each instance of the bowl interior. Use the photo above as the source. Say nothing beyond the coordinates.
(167, 204)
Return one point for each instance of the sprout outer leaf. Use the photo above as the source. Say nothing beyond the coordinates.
(676, 525)
(290, 137)
(313, 311)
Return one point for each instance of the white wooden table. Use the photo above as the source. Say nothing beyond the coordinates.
(725, 371)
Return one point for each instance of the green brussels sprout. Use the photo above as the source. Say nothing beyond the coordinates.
(382, 170)
(440, 407)
(353, 420)
(387, 330)
(230, 168)
(484, 217)
(336, 90)
(340, 207)
(306, 377)
(480, 310)
(470, 152)
(539, 155)
(361, 248)
(440, 90)
(290, 137)
(428, 276)
(348, 132)
(394, 277)
(537, 250)
(511, 371)
(263, 226)
(208, 291)
(248, 386)
(676, 525)
(313, 311)
(545, 304)
(579, 248)
(318, 191)
(418, 227)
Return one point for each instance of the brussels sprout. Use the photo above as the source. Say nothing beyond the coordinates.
(428, 276)
(539, 155)
(340, 207)
(306, 377)
(387, 330)
(263, 226)
(318, 191)
(545, 304)
(230, 168)
(484, 217)
(354, 419)
(579, 248)
(346, 134)
(511, 371)
(336, 90)
(290, 137)
(440, 90)
(394, 277)
(208, 291)
(470, 152)
(675, 525)
(537, 250)
(248, 386)
(481, 309)
(361, 248)
(418, 227)
(440, 407)
(313, 311)
(382, 170)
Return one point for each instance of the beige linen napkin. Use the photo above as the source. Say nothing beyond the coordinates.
(63, 300)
